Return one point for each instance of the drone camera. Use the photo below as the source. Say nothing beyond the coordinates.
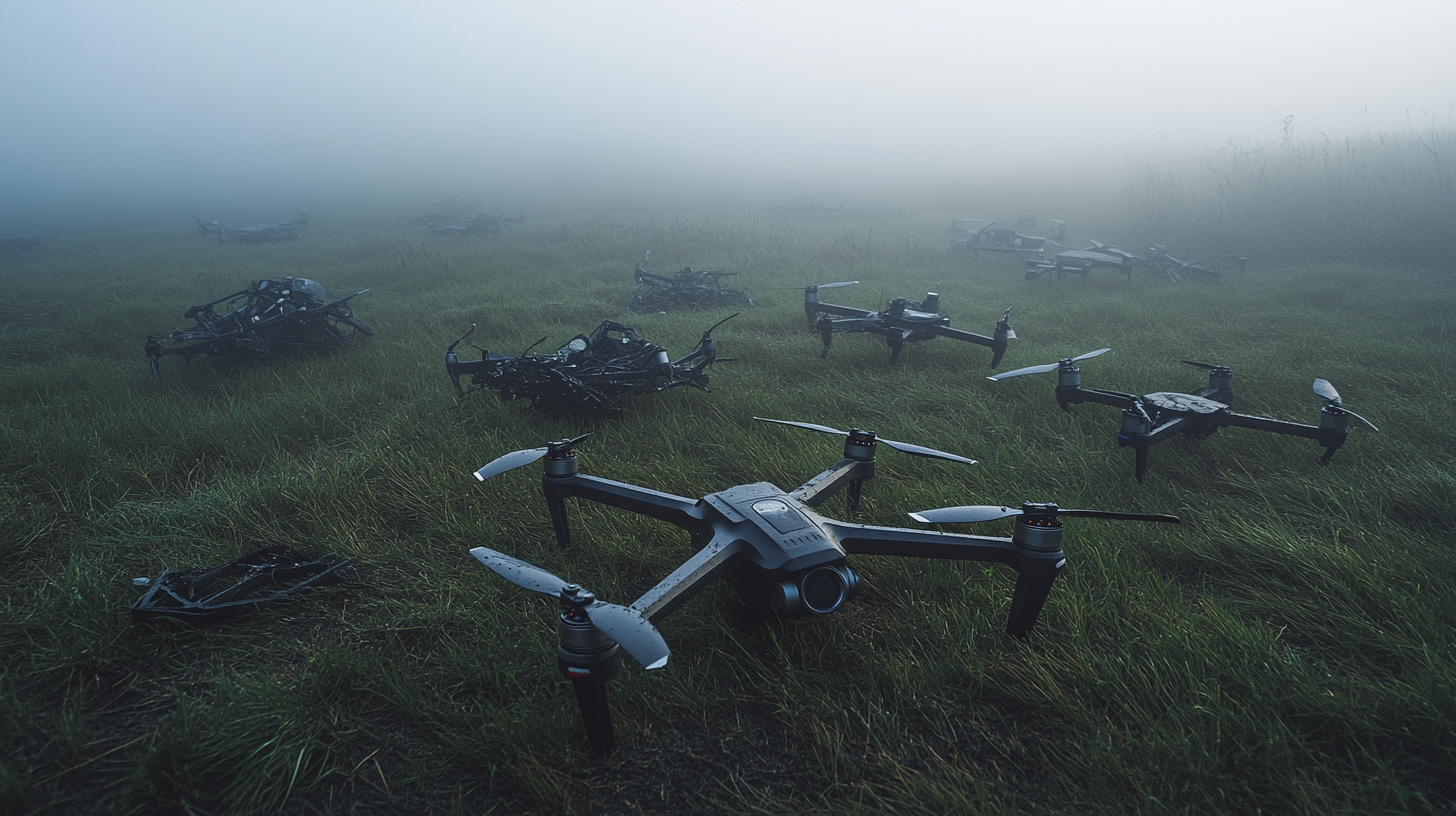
(818, 590)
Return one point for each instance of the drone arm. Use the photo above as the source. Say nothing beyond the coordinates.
(844, 472)
(1072, 395)
(688, 579)
(1330, 437)
(678, 510)
(842, 311)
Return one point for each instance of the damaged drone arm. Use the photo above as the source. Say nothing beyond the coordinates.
(690, 578)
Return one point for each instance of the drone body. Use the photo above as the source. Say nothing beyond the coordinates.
(773, 546)
(903, 321)
(1151, 418)
(688, 289)
(275, 314)
(1107, 256)
(591, 372)
(255, 234)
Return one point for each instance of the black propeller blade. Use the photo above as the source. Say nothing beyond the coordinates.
(1042, 369)
(1324, 389)
(520, 458)
(628, 628)
(973, 513)
(1209, 366)
(904, 447)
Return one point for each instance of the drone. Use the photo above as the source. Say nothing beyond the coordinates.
(267, 317)
(255, 234)
(1004, 238)
(782, 557)
(1152, 418)
(1107, 256)
(690, 289)
(591, 372)
(448, 224)
(903, 321)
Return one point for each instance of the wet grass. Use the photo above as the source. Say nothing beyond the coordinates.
(1288, 650)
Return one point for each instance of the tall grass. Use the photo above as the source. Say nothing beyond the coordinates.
(1289, 649)
(1376, 198)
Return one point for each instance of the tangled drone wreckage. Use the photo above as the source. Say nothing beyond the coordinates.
(275, 315)
(591, 372)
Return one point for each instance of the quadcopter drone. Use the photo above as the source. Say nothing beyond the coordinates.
(903, 321)
(275, 314)
(696, 290)
(1152, 418)
(255, 234)
(781, 556)
(591, 372)
(1000, 237)
(1107, 256)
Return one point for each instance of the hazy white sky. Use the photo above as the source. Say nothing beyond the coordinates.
(194, 95)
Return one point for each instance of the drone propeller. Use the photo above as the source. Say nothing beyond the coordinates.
(521, 458)
(1324, 389)
(973, 513)
(629, 629)
(903, 447)
(814, 287)
(1041, 369)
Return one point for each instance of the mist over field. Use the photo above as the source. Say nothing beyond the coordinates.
(255, 111)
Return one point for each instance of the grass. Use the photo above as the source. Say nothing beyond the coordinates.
(1289, 649)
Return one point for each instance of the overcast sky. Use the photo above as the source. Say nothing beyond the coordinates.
(189, 96)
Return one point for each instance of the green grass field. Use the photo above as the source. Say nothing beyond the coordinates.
(1288, 649)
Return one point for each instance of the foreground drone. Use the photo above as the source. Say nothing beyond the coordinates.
(591, 372)
(256, 234)
(903, 321)
(781, 556)
(1151, 418)
(688, 289)
(274, 315)
(1107, 256)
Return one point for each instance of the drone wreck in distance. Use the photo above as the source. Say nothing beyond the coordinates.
(274, 315)
(903, 321)
(591, 372)
(255, 234)
(1152, 418)
(688, 289)
(1107, 256)
(782, 557)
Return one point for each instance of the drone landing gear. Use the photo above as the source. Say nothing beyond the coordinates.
(589, 659)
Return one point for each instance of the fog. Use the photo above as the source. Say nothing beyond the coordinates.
(205, 105)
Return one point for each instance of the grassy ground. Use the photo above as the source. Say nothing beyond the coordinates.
(1289, 649)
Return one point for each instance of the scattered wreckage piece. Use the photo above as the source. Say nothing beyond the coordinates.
(688, 289)
(591, 372)
(999, 236)
(210, 595)
(274, 315)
